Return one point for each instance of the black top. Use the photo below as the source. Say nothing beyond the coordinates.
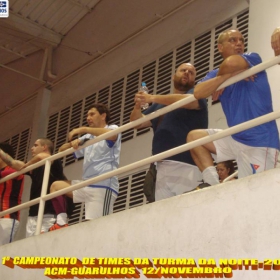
(171, 130)
(56, 174)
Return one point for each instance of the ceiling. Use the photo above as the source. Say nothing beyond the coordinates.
(43, 42)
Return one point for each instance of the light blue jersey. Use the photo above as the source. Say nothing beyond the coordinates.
(101, 158)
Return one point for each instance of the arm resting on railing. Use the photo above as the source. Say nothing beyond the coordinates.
(96, 131)
(15, 164)
(64, 147)
(166, 99)
(230, 67)
(36, 158)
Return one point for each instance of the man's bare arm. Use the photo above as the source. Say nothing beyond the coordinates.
(137, 114)
(167, 99)
(36, 158)
(230, 67)
(15, 164)
(83, 130)
(96, 131)
(65, 147)
(233, 65)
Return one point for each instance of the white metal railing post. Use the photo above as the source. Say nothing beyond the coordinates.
(230, 176)
(42, 199)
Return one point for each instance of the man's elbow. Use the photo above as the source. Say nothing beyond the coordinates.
(197, 95)
(232, 64)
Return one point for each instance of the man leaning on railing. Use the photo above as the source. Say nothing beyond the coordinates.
(255, 149)
(41, 149)
(176, 174)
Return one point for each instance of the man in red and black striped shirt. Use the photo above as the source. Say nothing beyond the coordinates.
(10, 196)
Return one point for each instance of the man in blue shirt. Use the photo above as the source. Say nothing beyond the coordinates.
(176, 174)
(255, 149)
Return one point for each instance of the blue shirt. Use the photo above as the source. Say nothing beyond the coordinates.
(247, 100)
(171, 129)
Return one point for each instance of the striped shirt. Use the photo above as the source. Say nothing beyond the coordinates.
(10, 192)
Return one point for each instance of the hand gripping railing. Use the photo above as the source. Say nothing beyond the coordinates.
(135, 165)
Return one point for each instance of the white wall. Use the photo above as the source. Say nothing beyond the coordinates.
(234, 220)
(263, 19)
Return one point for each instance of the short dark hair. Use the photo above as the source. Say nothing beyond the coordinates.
(48, 143)
(8, 149)
(101, 108)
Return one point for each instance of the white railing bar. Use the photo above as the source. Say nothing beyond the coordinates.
(161, 156)
(175, 105)
(230, 176)
(19, 207)
(43, 193)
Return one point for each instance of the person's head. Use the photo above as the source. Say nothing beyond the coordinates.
(184, 77)
(230, 42)
(98, 115)
(42, 145)
(224, 169)
(8, 149)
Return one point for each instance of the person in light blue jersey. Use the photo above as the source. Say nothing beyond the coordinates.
(255, 149)
(99, 158)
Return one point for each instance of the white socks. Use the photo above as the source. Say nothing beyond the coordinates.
(62, 219)
(210, 176)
